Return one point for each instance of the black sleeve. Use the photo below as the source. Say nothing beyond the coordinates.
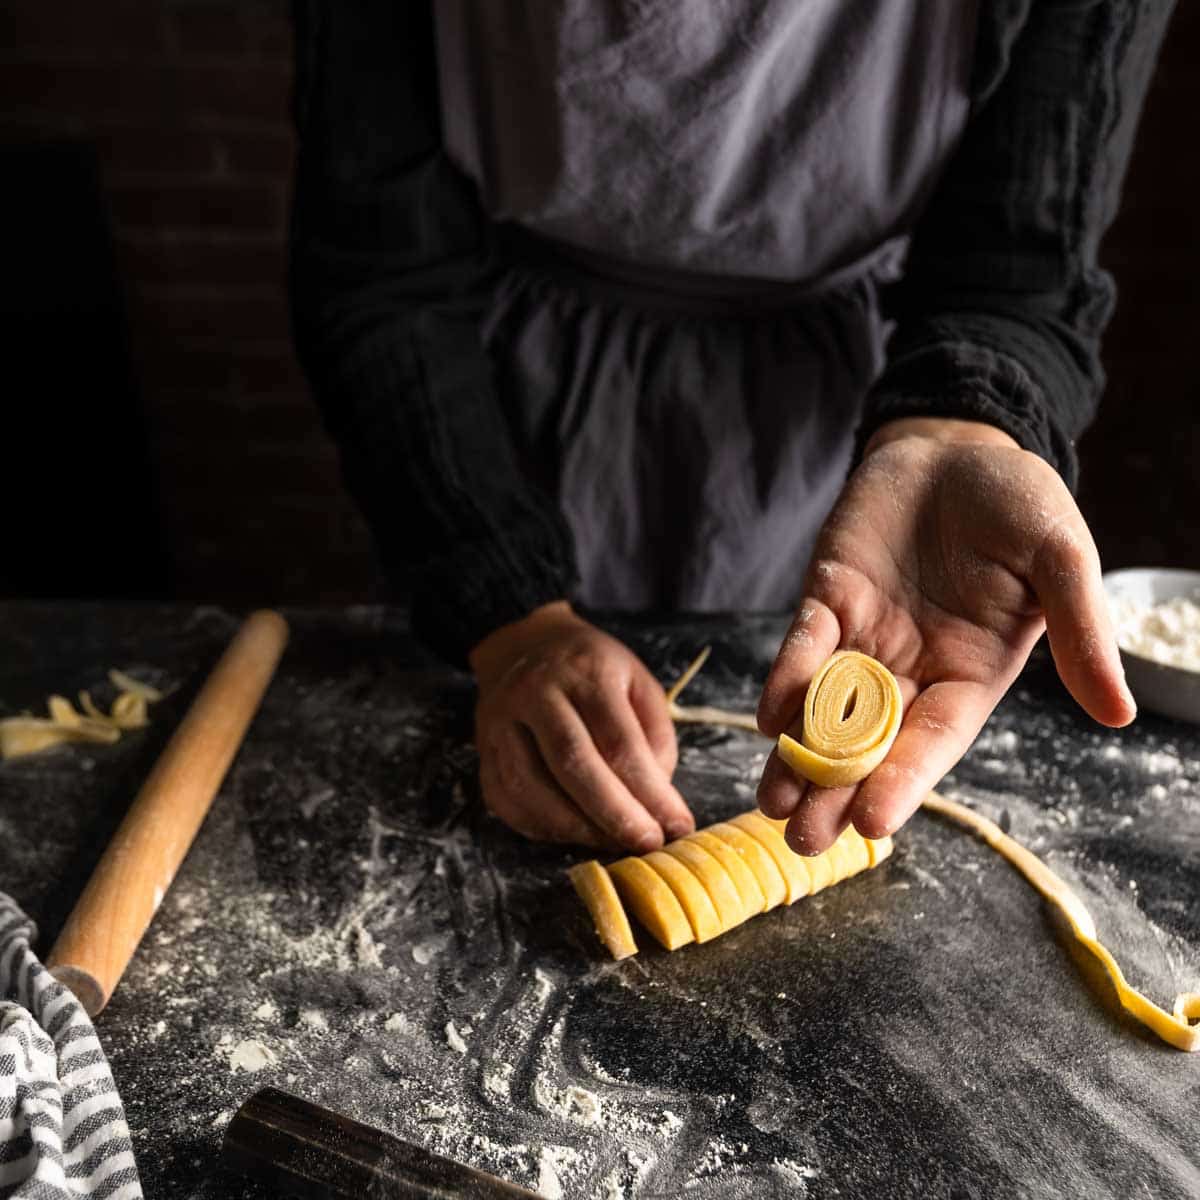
(389, 271)
(1003, 302)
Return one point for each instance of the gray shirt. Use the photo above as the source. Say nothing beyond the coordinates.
(775, 139)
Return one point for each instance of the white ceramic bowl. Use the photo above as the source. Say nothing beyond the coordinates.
(1171, 691)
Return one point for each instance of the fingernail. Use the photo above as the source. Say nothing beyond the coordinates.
(680, 829)
(647, 842)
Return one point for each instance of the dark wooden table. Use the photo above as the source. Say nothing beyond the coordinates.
(351, 926)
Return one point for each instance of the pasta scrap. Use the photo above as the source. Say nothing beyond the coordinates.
(24, 735)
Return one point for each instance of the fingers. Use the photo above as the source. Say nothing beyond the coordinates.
(567, 748)
(938, 728)
(817, 815)
(624, 748)
(820, 818)
(519, 790)
(1066, 577)
(780, 790)
(812, 638)
(595, 743)
(649, 703)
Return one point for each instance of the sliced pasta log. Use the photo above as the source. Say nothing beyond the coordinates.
(711, 874)
(691, 894)
(596, 890)
(740, 875)
(652, 902)
(762, 866)
(786, 859)
(712, 880)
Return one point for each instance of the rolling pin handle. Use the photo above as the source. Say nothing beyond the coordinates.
(305, 1150)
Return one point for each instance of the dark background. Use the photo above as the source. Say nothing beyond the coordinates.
(159, 439)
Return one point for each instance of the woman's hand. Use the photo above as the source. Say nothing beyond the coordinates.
(947, 555)
(575, 740)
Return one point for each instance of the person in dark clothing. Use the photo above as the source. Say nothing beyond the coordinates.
(603, 301)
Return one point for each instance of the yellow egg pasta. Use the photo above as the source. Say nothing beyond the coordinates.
(852, 714)
(30, 735)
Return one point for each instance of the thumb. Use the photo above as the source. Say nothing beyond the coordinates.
(1066, 577)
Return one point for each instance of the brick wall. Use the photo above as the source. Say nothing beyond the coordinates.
(186, 104)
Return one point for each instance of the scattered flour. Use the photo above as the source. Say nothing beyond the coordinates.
(266, 1011)
(1167, 633)
(671, 1123)
(997, 741)
(423, 953)
(366, 949)
(454, 1039)
(719, 1153)
(497, 1080)
(314, 1019)
(543, 985)
(549, 1185)
(396, 1023)
(429, 1110)
(250, 1056)
(309, 806)
(572, 1103)
(1159, 762)
(796, 1174)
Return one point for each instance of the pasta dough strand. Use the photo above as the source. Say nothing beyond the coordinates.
(703, 714)
(1173, 1027)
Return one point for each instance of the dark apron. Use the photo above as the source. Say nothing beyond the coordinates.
(699, 203)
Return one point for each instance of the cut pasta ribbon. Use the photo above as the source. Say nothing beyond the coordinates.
(29, 735)
(851, 717)
(1175, 1027)
(871, 683)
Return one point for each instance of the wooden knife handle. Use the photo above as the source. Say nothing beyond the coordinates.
(137, 867)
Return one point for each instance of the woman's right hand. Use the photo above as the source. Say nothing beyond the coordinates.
(575, 740)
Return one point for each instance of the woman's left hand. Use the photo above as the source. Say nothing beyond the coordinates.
(947, 555)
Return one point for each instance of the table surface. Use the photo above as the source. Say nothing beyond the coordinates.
(350, 917)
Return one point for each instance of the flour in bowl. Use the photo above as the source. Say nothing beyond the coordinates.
(1168, 633)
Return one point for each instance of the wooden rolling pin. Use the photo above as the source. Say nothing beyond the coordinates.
(137, 867)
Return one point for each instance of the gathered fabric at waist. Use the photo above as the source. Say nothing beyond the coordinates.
(606, 277)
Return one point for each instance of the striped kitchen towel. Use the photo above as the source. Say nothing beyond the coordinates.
(62, 1127)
